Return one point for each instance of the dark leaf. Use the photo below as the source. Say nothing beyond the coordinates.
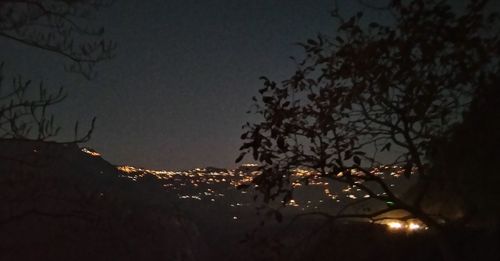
(281, 143)
(386, 147)
(255, 154)
(312, 42)
(347, 155)
(267, 99)
(356, 160)
(240, 157)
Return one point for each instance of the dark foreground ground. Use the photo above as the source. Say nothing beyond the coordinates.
(58, 203)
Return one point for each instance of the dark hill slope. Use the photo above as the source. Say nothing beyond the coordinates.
(59, 203)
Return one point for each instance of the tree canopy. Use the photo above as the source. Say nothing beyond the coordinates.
(56, 26)
(375, 94)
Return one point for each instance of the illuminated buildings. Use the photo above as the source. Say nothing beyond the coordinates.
(220, 186)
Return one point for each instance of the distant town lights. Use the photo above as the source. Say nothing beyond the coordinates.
(90, 152)
(396, 225)
(204, 179)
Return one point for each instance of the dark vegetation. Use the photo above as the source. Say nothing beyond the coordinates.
(420, 92)
(59, 203)
(53, 26)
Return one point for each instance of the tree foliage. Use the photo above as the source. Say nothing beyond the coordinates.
(58, 26)
(55, 26)
(375, 94)
(68, 205)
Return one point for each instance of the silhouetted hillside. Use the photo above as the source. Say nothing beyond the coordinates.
(59, 203)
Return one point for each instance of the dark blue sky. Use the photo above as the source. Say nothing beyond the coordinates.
(176, 94)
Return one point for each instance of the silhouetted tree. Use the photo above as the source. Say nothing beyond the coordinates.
(376, 94)
(56, 26)
(59, 202)
(464, 164)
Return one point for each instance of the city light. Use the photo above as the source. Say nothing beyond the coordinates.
(414, 226)
(401, 225)
(91, 152)
(211, 185)
(396, 225)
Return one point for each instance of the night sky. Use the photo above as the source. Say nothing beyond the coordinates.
(176, 94)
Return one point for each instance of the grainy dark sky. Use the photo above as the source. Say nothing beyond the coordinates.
(176, 94)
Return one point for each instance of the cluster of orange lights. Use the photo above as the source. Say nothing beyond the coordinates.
(201, 177)
(396, 225)
(92, 153)
(247, 172)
